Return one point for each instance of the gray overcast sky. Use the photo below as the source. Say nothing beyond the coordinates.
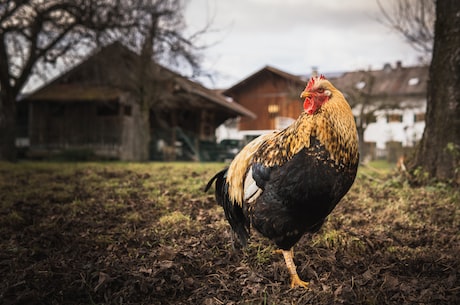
(294, 36)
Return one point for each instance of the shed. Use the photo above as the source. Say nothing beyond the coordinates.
(99, 106)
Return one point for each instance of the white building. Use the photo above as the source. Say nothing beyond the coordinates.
(389, 106)
(396, 125)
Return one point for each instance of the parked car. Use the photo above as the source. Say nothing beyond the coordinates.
(228, 149)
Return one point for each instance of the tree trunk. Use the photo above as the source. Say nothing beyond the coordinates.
(361, 146)
(7, 126)
(145, 135)
(439, 150)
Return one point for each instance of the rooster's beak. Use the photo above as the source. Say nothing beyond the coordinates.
(305, 94)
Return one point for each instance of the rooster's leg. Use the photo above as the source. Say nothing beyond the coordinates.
(289, 259)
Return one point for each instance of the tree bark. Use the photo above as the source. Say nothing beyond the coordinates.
(7, 126)
(439, 150)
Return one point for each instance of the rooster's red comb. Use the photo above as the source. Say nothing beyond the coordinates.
(313, 80)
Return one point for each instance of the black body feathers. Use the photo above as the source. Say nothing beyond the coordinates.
(296, 197)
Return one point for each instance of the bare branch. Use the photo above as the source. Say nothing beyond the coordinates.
(413, 19)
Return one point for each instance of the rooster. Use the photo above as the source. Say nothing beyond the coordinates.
(284, 184)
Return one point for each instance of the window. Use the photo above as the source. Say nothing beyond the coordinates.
(127, 110)
(394, 118)
(273, 110)
(413, 81)
(110, 109)
(371, 118)
(419, 117)
(360, 85)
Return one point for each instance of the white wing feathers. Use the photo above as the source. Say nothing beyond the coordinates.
(239, 178)
(251, 190)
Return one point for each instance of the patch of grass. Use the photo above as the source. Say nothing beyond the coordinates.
(13, 218)
(133, 217)
(176, 223)
(377, 170)
(260, 254)
(383, 165)
(338, 239)
(175, 218)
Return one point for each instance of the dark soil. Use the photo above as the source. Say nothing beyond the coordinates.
(146, 234)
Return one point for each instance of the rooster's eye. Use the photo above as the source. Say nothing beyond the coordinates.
(320, 90)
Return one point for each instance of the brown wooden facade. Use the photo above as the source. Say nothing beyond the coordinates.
(271, 94)
(105, 127)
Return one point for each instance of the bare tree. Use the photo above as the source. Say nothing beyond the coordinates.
(160, 40)
(360, 99)
(159, 32)
(38, 34)
(413, 19)
(433, 27)
(438, 155)
(366, 105)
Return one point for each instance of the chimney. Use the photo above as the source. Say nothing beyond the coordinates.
(314, 71)
(387, 68)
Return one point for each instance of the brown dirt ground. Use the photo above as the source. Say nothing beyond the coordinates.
(122, 234)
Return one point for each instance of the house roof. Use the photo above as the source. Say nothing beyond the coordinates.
(197, 89)
(267, 69)
(76, 93)
(89, 82)
(398, 81)
(389, 81)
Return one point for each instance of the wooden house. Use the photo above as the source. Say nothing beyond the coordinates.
(117, 105)
(270, 93)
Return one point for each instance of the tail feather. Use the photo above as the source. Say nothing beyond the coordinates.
(236, 215)
(219, 178)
